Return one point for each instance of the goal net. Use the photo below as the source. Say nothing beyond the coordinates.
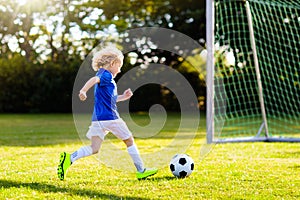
(253, 70)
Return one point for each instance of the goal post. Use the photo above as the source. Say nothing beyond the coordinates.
(253, 70)
(210, 71)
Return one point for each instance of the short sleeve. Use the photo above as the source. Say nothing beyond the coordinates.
(105, 77)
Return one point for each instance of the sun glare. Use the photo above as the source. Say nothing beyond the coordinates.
(21, 2)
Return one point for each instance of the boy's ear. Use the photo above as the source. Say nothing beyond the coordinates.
(115, 61)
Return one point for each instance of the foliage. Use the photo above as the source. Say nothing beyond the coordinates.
(27, 87)
(54, 36)
(60, 30)
(187, 17)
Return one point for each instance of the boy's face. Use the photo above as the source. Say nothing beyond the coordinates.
(115, 67)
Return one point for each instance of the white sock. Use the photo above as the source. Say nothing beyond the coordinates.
(135, 155)
(82, 152)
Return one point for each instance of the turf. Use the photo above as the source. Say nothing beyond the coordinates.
(29, 154)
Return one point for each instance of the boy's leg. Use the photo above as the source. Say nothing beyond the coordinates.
(82, 152)
(136, 158)
(67, 159)
(120, 129)
(87, 150)
(133, 151)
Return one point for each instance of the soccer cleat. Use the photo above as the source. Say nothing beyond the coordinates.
(146, 173)
(64, 164)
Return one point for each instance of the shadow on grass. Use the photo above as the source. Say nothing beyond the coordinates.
(32, 142)
(295, 167)
(48, 188)
(30, 130)
(163, 178)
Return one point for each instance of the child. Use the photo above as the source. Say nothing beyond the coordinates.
(107, 62)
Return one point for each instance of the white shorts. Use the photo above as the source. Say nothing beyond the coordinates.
(101, 128)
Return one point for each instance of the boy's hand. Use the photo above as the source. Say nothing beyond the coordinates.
(127, 93)
(82, 95)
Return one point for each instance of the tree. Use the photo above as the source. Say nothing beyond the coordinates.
(187, 16)
(16, 24)
(54, 36)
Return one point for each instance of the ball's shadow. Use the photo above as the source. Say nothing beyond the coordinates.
(165, 178)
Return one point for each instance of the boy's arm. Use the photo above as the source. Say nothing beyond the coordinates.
(126, 95)
(90, 83)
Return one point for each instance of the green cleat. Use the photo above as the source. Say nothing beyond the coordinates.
(64, 164)
(146, 173)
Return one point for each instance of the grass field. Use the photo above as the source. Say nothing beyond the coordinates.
(30, 147)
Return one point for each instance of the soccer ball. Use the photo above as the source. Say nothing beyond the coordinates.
(181, 165)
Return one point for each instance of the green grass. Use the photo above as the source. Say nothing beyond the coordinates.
(30, 147)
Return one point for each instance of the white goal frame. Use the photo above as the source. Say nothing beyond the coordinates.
(210, 85)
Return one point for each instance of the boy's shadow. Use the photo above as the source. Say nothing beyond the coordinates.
(48, 188)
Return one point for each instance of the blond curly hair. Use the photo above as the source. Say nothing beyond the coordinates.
(105, 57)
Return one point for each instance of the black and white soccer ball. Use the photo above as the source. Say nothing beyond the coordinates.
(181, 165)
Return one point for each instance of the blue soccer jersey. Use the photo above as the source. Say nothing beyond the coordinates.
(105, 92)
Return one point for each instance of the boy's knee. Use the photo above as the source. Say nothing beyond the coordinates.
(95, 149)
(129, 142)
